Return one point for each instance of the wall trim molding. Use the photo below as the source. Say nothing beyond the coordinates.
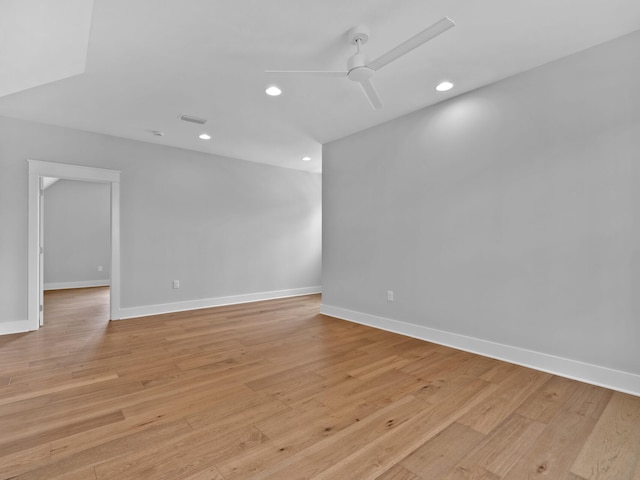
(18, 326)
(594, 374)
(37, 169)
(78, 284)
(143, 311)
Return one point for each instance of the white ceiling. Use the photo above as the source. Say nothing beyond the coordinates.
(41, 42)
(150, 60)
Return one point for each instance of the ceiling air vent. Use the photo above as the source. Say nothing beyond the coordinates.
(192, 119)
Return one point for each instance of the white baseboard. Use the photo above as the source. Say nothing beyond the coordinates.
(18, 326)
(79, 284)
(147, 310)
(594, 374)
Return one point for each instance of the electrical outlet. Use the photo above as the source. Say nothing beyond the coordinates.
(389, 295)
(99, 268)
(176, 284)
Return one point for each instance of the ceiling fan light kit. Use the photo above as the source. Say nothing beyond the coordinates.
(360, 70)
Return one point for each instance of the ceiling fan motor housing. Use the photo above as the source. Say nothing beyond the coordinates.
(359, 72)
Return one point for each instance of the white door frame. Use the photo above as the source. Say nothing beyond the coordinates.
(37, 170)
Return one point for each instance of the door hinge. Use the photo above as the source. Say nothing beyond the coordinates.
(41, 308)
(41, 250)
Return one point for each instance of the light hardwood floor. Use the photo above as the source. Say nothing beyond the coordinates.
(274, 390)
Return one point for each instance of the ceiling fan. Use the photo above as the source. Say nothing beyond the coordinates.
(360, 70)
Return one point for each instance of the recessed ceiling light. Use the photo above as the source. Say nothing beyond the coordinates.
(444, 86)
(306, 159)
(204, 136)
(273, 91)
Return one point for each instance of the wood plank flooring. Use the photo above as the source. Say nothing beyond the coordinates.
(274, 390)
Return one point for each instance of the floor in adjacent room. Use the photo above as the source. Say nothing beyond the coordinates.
(274, 390)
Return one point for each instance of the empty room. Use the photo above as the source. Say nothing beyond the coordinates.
(355, 240)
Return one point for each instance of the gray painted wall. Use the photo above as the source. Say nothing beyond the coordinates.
(509, 214)
(77, 232)
(221, 226)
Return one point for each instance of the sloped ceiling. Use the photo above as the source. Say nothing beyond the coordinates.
(149, 61)
(42, 42)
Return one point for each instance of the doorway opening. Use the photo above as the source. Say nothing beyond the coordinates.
(38, 170)
(75, 231)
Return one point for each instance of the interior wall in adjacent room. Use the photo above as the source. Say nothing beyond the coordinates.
(77, 233)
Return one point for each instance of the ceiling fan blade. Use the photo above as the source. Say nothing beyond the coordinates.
(321, 73)
(371, 94)
(424, 36)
